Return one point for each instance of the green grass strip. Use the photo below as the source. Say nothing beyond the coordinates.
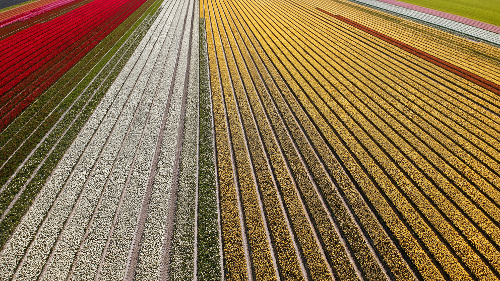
(208, 235)
(482, 10)
(72, 123)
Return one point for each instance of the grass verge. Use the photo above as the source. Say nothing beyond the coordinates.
(481, 10)
(208, 237)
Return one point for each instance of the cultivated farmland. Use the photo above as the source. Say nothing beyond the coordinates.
(247, 140)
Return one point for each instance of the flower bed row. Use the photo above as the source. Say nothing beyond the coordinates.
(449, 47)
(108, 20)
(336, 110)
(370, 132)
(77, 107)
(28, 90)
(128, 150)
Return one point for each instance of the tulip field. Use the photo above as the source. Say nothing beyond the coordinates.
(247, 140)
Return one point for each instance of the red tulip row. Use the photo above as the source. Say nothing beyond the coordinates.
(19, 53)
(35, 58)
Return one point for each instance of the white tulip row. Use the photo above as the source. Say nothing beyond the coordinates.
(106, 208)
(472, 31)
(131, 164)
(182, 252)
(157, 182)
(115, 239)
(114, 265)
(99, 142)
(150, 259)
(104, 217)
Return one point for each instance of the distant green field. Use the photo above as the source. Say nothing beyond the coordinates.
(481, 10)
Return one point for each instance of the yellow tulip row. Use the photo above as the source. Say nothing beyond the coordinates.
(259, 266)
(232, 241)
(390, 254)
(303, 229)
(323, 86)
(468, 93)
(341, 264)
(315, 94)
(257, 239)
(413, 87)
(425, 151)
(304, 189)
(273, 198)
(391, 219)
(329, 72)
(404, 141)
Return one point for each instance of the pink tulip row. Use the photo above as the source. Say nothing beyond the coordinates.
(35, 12)
(35, 58)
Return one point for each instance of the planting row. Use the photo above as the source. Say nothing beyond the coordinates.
(317, 102)
(123, 201)
(310, 220)
(51, 55)
(392, 179)
(35, 142)
(449, 47)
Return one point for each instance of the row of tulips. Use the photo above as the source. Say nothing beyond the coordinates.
(343, 114)
(66, 117)
(339, 110)
(44, 51)
(25, 92)
(233, 251)
(316, 210)
(430, 40)
(325, 96)
(270, 167)
(431, 129)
